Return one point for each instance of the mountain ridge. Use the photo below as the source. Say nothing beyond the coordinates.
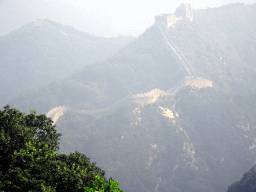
(39, 53)
(199, 138)
(140, 98)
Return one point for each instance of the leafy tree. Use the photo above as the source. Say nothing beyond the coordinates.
(29, 161)
(93, 187)
(16, 129)
(112, 186)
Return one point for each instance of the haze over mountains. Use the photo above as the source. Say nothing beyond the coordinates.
(43, 50)
(100, 18)
(173, 110)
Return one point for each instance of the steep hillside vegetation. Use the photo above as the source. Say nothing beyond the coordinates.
(246, 184)
(144, 64)
(188, 135)
(199, 141)
(220, 44)
(28, 161)
(43, 51)
(148, 62)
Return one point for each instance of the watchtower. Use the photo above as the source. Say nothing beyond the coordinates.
(184, 10)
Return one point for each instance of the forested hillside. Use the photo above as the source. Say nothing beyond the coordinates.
(29, 161)
(220, 43)
(149, 124)
(43, 51)
(145, 64)
(246, 184)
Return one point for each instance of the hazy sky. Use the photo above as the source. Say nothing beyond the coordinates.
(99, 17)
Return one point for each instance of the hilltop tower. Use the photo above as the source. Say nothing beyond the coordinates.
(180, 11)
(184, 10)
(189, 12)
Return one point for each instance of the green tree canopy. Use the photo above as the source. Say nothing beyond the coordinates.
(16, 129)
(28, 161)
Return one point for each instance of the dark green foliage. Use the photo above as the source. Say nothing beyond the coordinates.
(246, 184)
(16, 129)
(73, 180)
(28, 160)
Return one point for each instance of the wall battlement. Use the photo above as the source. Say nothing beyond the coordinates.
(171, 19)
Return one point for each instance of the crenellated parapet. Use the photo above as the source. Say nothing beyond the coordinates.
(171, 20)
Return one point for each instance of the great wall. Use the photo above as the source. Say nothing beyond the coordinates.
(141, 99)
(164, 22)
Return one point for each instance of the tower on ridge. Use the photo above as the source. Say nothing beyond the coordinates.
(184, 10)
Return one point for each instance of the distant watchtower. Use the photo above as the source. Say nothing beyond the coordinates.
(180, 11)
(184, 10)
(189, 12)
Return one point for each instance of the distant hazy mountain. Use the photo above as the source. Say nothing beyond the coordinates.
(17, 13)
(172, 111)
(43, 51)
(144, 64)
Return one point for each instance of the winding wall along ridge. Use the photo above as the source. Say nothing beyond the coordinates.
(152, 95)
(161, 23)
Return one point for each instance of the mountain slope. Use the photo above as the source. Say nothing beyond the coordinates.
(139, 67)
(141, 112)
(220, 43)
(246, 184)
(43, 51)
(149, 62)
(196, 141)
